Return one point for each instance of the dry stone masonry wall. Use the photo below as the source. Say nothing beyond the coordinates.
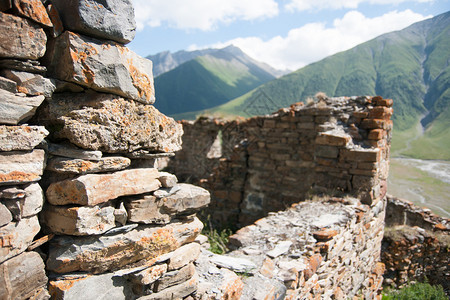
(416, 245)
(84, 213)
(264, 164)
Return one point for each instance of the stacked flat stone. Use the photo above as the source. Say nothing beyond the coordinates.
(116, 227)
(321, 249)
(22, 159)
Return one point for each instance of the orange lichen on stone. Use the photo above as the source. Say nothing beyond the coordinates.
(17, 176)
(33, 9)
(56, 288)
(142, 82)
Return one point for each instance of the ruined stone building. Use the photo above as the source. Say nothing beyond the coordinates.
(86, 211)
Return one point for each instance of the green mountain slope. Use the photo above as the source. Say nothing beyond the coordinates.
(410, 66)
(208, 80)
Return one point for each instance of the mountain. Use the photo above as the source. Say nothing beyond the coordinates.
(410, 66)
(208, 80)
(165, 61)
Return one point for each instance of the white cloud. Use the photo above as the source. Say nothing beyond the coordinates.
(315, 41)
(200, 14)
(302, 5)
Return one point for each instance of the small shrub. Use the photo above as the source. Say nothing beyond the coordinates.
(218, 239)
(416, 291)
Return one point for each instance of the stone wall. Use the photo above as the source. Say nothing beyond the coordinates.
(84, 213)
(263, 164)
(416, 245)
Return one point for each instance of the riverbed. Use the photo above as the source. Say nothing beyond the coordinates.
(426, 183)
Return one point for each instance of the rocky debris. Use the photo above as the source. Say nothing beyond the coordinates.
(13, 138)
(21, 38)
(110, 20)
(92, 189)
(97, 254)
(120, 125)
(81, 166)
(288, 261)
(15, 237)
(16, 108)
(104, 66)
(23, 277)
(18, 167)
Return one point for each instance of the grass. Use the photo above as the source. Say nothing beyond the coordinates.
(416, 291)
(217, 238)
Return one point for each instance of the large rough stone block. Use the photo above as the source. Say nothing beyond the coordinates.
(17, 108)
(78, 220)
(23, 137)
(34, 10)
(92, 287)
(104, 66)
(111, 124)
(22, 276)
(110, 19)
(148, 209)
(99, 254)
(17, 236)
(21, 38)
(21, 167)
(187, 200)
(80, 166)
(93, 189)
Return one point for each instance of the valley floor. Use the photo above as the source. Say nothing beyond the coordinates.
(426, 183)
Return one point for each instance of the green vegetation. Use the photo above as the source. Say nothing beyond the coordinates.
(409, 66)
(416, 291)
(207, 81)
(217, 238)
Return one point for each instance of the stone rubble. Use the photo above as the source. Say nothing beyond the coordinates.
(83, 210)
(293, 256)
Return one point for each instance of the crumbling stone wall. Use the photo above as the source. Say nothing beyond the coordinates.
(267, 163)
(84, 213)
(416, 245)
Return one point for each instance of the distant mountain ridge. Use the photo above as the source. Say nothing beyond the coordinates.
(165, 61)
(411, 66)
(212, 78)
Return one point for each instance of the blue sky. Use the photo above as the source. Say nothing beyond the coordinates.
(286, 34)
